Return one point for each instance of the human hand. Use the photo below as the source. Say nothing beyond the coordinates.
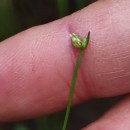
(36, 65)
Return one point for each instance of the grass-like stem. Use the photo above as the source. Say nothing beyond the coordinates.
(72, 89)
(75, 40)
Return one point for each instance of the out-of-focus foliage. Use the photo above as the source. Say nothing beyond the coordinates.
(8, 19)
(63, 7)
(80, 4)
(17, 15)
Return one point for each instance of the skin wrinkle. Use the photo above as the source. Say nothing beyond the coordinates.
(76, 93)
(83, 80)
(123, 54)
(120, 76)
(32, 64)
(61, 76)
(111, 74)
(79, 83)
(117, 75)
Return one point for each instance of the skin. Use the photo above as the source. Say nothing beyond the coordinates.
(36, 65)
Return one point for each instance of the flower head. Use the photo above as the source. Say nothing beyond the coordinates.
(78, 42)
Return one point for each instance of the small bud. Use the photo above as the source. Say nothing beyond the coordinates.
(85, 41)
(76, 41)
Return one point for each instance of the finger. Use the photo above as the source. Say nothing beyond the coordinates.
(116, 119)
(36, 65)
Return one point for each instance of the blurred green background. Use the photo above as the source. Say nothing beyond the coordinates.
(18, 15)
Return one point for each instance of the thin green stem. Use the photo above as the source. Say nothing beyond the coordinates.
(72, 88)
(81, 44)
